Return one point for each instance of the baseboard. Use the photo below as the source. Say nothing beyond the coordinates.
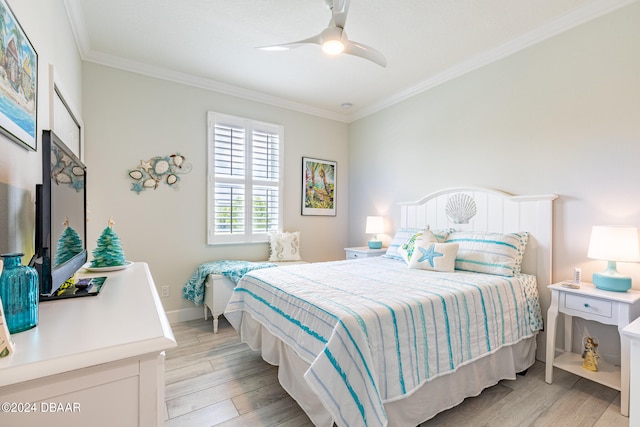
(185, 314)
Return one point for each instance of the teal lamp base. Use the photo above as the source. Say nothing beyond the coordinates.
(611, 280)
(375, 244)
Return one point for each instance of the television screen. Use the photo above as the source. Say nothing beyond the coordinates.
(67, 206)
(60, 215)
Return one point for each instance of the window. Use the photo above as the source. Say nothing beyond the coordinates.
(245, 179)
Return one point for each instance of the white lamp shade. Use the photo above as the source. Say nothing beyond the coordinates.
(375, 225)
(614, 243)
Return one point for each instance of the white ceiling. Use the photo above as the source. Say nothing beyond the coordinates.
(212, 44)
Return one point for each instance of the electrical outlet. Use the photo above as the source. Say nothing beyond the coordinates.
(165, 292)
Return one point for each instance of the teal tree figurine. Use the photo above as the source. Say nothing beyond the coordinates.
(108, 252)
(69, 245)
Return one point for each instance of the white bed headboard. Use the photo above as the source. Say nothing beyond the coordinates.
(493, 211)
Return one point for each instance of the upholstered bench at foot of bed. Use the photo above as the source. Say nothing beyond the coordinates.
(217, 292)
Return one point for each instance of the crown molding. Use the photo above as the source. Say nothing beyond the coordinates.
(552, 28)
(78, 27)
(207, 84)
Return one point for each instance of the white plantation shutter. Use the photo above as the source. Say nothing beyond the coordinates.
(229, 209)
(266, 203)
(245, 183)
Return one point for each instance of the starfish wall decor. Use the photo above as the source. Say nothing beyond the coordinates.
(150, 173)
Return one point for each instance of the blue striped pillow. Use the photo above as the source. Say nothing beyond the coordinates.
(492, 253)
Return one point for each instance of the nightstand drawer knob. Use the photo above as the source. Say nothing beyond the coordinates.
(586, 305)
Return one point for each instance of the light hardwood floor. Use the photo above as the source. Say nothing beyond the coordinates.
(215, 380)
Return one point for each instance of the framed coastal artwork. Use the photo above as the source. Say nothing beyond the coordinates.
(18, 81)
(318, 187)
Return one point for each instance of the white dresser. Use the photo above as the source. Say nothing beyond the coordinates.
(95, 361)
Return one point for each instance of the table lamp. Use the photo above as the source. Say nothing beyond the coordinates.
(612, 244)
(375, 225)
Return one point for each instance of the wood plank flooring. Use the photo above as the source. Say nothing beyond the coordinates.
(215, 380)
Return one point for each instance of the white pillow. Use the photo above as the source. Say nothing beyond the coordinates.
(441, 235)
(435, 257)
(406, 249)
(401, 236)
(285, 246)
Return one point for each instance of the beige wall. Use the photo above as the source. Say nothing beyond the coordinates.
(560, 117)
(46, 25)
(130, 117)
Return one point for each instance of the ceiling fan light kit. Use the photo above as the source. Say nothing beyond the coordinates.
(333, 39)
(333, 47)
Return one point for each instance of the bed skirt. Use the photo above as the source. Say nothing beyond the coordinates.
(433, 397)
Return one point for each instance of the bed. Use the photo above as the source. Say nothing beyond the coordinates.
(372, 342)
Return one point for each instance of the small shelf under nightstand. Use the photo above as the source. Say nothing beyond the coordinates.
(363, 252)
(609, 308)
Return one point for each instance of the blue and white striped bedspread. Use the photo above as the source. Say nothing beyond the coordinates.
(374, 330)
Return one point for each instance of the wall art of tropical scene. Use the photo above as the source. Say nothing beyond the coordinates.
(320, 185)
(18, 80)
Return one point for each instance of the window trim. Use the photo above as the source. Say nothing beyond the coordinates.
(249, 126)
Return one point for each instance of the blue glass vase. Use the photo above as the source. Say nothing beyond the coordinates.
(19, 293)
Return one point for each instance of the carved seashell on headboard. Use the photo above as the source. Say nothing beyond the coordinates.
(461, 208)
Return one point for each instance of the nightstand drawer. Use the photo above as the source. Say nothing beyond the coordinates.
(593, 306)
(363, 252)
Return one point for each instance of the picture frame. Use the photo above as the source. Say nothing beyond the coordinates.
(65, 120)
(319, 178)
(18, 81)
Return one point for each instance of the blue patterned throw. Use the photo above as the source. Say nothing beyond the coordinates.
(194, 289)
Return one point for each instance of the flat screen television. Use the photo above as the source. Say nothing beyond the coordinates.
(61, 220)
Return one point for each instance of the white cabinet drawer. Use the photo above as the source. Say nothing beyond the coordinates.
(592, 306)
(363, 252)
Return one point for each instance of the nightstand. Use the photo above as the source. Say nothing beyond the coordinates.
(363, 252)
(609, 308)
(633, 332)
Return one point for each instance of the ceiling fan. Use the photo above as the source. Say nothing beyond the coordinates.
(333, 39)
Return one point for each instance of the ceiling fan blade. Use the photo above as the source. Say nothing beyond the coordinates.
(366, 52)
(292, 45)
(334, 34)
(339, 12)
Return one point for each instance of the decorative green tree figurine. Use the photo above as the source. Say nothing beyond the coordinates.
(109, 251)
(69, 244)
